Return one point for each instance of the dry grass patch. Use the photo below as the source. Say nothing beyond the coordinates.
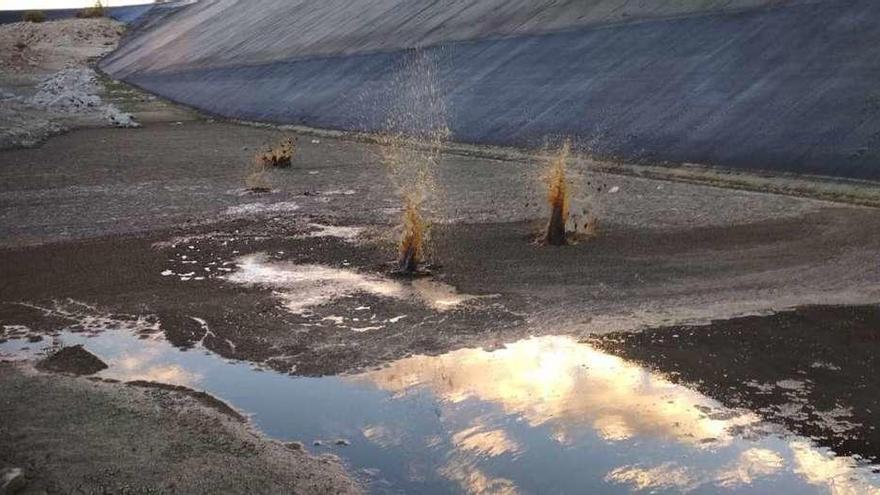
(34, 16)
(92, 12)
(278, 156)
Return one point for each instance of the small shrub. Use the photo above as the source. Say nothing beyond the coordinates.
(279, 156)
(34, 16)
(20, 45)
(94, 11)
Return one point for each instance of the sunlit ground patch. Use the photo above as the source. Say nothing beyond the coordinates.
(304, 286)
(440, 296)
(340, 232)
(258, 208)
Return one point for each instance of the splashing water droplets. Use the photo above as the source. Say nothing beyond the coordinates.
(573, 202)
(412, 240)
(557, 196)
(415, 133)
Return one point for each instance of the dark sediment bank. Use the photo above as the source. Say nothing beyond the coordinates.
(812, 369)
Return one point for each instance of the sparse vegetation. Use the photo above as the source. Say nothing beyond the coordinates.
(278, 156)
(33, 16)
(94, 11)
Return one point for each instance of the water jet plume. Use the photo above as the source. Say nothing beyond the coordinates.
(278, 156)
(557, 196)
(412, 145)
(257, 180)
(412, 240)
(591, 226)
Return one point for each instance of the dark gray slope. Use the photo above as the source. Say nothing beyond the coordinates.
(220, 33)
(791, 89)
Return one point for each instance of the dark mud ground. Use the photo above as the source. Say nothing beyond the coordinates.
(92, 219)
(807, 369)
(624, 279)
(74, 360)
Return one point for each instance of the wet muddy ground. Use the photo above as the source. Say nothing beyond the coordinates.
(281, 292)
(811, 369)
(144, 242)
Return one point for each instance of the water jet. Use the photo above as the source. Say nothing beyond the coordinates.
(279, 156)
(257, 181)
(557, 197)
(412, 239)
(416, 130)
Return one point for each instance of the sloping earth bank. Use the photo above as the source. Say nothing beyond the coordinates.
(76, 435)
(46, 82)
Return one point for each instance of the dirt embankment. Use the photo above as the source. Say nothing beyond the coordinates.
(79, 435)
(46, 82)
(29, 48)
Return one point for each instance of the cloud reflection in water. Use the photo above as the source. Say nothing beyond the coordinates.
(574, 391)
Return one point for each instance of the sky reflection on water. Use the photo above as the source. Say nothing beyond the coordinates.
(542, 415)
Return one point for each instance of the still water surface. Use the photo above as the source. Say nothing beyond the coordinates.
(542, 415)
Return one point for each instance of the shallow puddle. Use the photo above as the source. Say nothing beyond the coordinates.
(305, 286)
(542, 415)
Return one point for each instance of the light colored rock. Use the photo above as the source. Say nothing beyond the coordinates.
(12, 480)
(48, 86)
(118, 118)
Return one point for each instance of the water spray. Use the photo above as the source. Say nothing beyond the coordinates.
(416, 132)
(412, 239)
(557, 196)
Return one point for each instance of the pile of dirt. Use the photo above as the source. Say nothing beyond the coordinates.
(74, 359)
(76, 91)
(26, 46)
(46, 82)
